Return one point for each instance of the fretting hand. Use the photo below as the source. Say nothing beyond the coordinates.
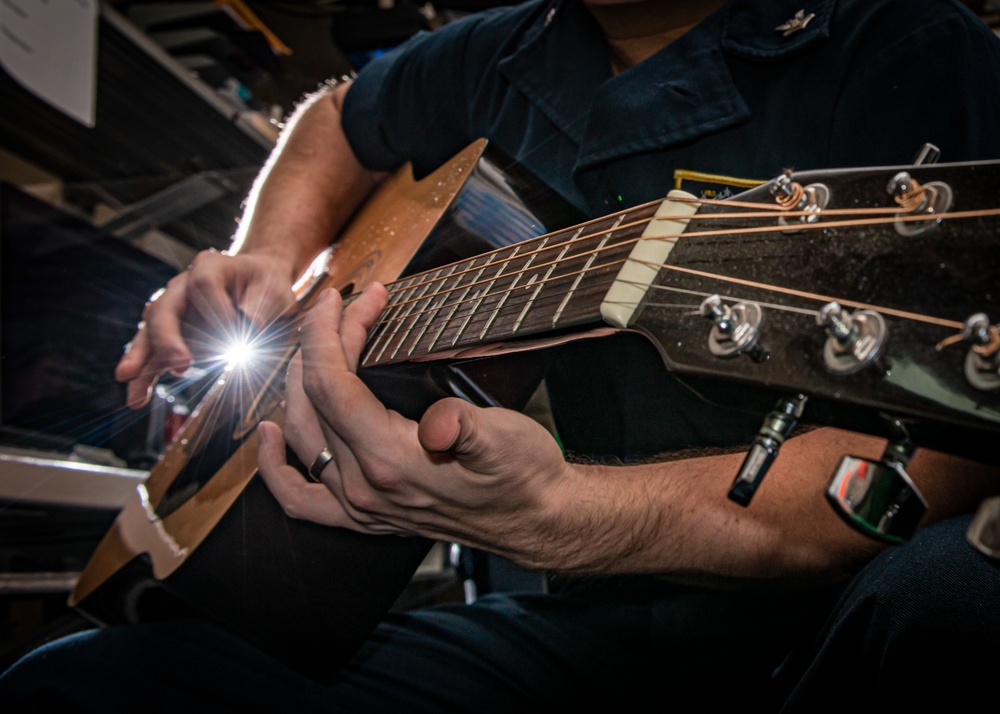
(482, 476)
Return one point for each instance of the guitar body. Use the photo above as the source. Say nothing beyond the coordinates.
(204, 537)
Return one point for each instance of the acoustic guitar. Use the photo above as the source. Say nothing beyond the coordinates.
(873, 293)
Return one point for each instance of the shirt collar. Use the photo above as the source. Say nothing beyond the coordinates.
(562, 65)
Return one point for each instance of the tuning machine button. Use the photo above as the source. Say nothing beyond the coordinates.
(984, 530)
(855, 340)
(878, 498)
(736, 329)
(982, 362)
(764, 449)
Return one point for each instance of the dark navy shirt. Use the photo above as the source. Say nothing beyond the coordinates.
(866, 82)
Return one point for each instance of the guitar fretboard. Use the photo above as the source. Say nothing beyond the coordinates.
(546, 284)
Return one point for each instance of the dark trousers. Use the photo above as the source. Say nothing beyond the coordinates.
(923, 617)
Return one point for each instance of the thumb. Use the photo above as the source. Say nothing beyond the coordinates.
(478, 437)
(454, 426)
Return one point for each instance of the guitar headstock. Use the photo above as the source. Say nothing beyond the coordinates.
(874, 292)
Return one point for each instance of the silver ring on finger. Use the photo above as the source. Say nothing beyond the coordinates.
(319, 463)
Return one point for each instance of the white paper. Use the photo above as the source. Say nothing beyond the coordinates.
(50, 47)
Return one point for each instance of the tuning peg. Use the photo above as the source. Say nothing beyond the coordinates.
(764, 449)
(982, 362)
(855, 340)
(736, 329)
(792, 196)
(927, 154)
(916, 199)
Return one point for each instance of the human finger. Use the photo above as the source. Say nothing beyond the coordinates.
(157, 345)
(299, 498)
(135, 355)
(163, 317)
(344, 402)
(305, 499)
(304, 434)
(486, 441)
(130, 366)
(266, 297)
(213, 282)
(357, 320)
(302, 428)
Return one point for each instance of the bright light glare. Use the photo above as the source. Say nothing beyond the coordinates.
(239, 354)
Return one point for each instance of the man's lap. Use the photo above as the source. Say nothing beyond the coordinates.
(916, 610)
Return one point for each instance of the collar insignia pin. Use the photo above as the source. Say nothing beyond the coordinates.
(797, 23)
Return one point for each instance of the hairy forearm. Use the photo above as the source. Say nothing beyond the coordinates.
(308, 189)
(674, 518)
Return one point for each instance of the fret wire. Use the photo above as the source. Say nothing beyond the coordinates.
(437, 311)
(482, 294)
(507, 293)
(406, 332)
(469, 316)
(555, 263)
(600, 289)
(577, 237)
(398, 319)
(545, 281)
(489, 288)
(444, 323)
(432, 314)
(590, 262)
(425, 311)
(382, 326)
(552, 265)
(524, 312)
(548, 274)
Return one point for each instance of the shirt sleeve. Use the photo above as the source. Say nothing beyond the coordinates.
(939, 84)
(423, 102)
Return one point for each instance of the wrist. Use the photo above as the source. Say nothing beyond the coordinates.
(578, 529)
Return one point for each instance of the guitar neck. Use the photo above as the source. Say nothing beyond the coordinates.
(546, 285)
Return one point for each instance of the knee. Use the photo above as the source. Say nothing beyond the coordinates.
(54, 677)
(934, 592)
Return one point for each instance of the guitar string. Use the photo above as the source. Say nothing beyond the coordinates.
(906, 315)
(913, 316)
(758, 229)
(896, 217)
(928, 319)
(645, 222)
